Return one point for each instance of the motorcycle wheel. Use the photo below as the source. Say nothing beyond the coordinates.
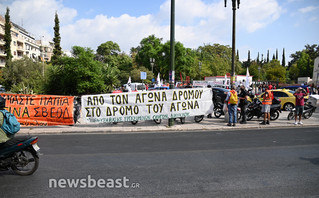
(291, 116)
(25, 163)
(218, 113)
(134, 122)
(274, 115)
(182, 120)
(249, 116)
(198, 119)
(307, 115)
(158, 121)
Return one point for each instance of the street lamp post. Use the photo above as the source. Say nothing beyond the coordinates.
(152, 61)
(235, 3)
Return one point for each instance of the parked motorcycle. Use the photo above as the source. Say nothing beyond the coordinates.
(307, 113)
(254, 109)
(21, 154)
(218, 110)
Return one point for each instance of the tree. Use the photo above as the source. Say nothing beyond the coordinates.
(283, 61)
(311, 50)
(293, 72)
(57, 51)
(24, 77)
(107, 52)
(150, 47)
(274, 71)
(77, 75)
(218, 60)
(7, 37)
(258, 58)
(267, 56)
(303, 64)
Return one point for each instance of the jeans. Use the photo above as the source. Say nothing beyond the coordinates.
(232, 111)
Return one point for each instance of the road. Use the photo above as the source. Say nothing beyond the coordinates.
(251, 163)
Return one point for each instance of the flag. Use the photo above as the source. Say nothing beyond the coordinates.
(158, 80)
(225, 82)
(247, 83)
(128, 84)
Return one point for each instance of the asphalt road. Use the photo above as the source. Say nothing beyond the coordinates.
(253, 163)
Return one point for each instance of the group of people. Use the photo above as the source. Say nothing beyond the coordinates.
(232, 102)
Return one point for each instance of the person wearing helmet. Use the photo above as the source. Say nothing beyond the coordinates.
(3, 136)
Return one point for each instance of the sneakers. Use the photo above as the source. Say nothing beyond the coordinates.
(296, 123)
(300, 123)
(267, 122)
(263, 123)
(229, 124)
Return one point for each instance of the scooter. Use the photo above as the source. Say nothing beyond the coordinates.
(307, 113)
(254, 109)
(21, 154)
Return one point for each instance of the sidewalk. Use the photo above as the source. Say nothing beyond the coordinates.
(216, 124)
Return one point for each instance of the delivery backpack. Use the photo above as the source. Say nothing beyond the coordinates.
(233, 99)
(10, 123)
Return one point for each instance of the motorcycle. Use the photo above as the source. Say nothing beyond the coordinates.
(307, 113)
(218, 110)
(254, 109)
(21, 154)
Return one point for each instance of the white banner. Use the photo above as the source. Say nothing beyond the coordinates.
(146, 105)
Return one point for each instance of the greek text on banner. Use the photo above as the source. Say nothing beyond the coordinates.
(146, 105)
(40, 110)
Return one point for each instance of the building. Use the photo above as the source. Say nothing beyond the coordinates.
(240, 79)
(24, 44)
(315, 76)
(46, 49)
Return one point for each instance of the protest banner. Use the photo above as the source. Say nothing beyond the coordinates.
(40, 110)
(146, 105)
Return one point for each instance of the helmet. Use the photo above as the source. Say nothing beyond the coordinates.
(2, 102)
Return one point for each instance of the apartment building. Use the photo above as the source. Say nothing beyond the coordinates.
(24, 44)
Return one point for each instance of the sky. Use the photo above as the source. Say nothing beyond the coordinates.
(261, 25)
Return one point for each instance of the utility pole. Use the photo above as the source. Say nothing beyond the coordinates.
(235, 5)
(172, 55)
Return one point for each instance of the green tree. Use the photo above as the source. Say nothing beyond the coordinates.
(311, 50)
(274, 71)
(303, 64)
(267, 56)
(7, 37)
(150, 47)
(217, 58)
(293, 72)
(57, 51)
(283, 61)
(77, 75)
(25, 76)
(117, 65)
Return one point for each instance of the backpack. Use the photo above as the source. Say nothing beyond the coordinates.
(233, 99)
(10, 123)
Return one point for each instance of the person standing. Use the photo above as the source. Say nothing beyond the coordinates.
(232, 100)
(243, 95)
(300, 102)
(267, 101)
